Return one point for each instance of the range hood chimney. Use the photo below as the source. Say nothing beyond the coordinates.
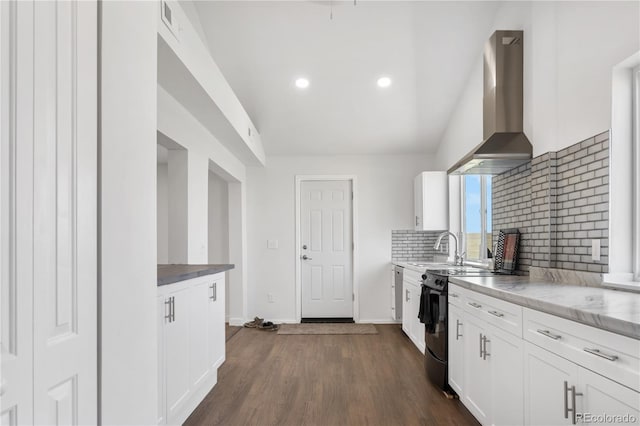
(504, 145)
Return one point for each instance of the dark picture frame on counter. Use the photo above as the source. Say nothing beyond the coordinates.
(506, 256)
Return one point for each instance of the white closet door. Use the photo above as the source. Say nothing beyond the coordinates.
(49, 212)
(16, 213)
(65, 212)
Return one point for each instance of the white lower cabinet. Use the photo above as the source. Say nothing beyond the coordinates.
(191, 344)
(493, 387)
(544, 377)
(601, 396)
(505, 354)
(456, 335)
(538, 369)
(559, 392)
(476, 396)
(411, 324)
(176, 354)
(215, 331)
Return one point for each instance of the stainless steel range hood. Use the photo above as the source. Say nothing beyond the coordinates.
(504, 145)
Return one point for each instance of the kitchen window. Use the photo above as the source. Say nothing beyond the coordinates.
(476, 217)
(624, 181)
(636, 173)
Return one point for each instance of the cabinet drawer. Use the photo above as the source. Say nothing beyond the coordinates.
(456, 295)
(611, 355)
(504, 315)
(412, 277)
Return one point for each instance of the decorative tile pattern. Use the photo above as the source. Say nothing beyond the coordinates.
(559, 202)
(416, 246)
(582, 205)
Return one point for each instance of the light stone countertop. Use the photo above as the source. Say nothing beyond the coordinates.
(607, 309)
(413, 265)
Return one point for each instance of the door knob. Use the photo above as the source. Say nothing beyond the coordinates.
(305, 257)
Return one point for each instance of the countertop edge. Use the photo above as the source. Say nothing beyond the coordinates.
(172, 279)
(603, 322)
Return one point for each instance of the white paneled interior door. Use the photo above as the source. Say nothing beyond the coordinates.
(326, 248)
(16, 129)
(49, 212)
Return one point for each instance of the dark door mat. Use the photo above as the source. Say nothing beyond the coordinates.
(339, 320)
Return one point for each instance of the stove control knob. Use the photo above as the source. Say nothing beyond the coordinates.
(424, 277)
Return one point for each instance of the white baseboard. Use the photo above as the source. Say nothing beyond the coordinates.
(240, 321)
(236, 321)
(284, 321)
(379, 321)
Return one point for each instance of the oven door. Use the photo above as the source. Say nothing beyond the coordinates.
(436, 330)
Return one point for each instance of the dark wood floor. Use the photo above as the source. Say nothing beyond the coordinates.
(230, 331)
(271, 379)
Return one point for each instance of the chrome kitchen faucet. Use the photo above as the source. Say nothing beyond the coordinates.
(458, 258)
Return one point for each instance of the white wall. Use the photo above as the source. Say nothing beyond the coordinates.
(163, 213)
(128, 281)
(218, 219)
(570, 51)
(179, 209)
(385, 202)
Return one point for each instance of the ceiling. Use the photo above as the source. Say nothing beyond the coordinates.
(427, 48)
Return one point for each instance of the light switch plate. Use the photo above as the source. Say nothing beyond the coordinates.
(272, 244)
(595, 249)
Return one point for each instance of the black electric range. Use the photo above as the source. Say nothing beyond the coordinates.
(434, 314)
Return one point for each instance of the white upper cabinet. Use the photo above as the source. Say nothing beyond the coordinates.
(431, 201)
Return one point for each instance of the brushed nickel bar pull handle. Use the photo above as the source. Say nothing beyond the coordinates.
(566, 400)
(480, 345)
(474, 304)
(485, 354)
(549, 334)
(497, 314)
(573, 404)
(406, 295)
(458, 324)
(173, 309)
(597, 352)
(167, 303)
(215, 291)
(453, 295)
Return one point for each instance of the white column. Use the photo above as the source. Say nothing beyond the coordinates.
(128, 325)
(237, 253)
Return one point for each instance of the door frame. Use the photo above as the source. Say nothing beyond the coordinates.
(354, 233)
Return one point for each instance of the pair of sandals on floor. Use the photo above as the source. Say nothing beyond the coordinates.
(262, 324)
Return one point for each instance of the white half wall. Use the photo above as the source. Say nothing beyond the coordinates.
(570, 51)
(128, 268)
(385, 202)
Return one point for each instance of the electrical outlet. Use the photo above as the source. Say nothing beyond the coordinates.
(595, 249)
(270, 298)
(272, 244)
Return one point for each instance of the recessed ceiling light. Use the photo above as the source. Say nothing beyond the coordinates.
(302, 83)
(384, 82)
